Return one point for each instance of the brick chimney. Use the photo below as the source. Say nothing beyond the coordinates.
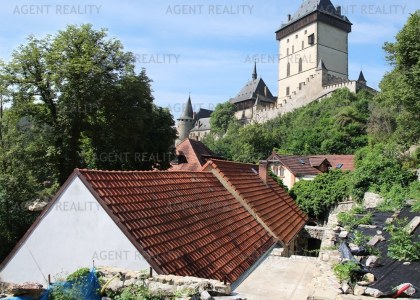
(263, 170)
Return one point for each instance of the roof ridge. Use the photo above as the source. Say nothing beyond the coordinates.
(137, 171)
(232, 162)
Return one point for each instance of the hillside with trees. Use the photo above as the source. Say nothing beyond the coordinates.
(380, 129)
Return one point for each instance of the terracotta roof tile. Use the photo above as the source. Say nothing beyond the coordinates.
(195, 153)
(298, 165)
(271, 203)
(185, 223)
(347, 161)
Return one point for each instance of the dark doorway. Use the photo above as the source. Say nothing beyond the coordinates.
(313, 247)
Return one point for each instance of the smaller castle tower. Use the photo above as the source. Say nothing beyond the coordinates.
(322, 68)
(361, 78)
(185, 122)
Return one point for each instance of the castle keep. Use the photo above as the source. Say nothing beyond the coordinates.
(313, 63)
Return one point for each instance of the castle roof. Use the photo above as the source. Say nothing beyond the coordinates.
(202, 124)
(253, 89)
(203, 113)
(321, 65)
(309, 6)
(361, 77)
(188, 111)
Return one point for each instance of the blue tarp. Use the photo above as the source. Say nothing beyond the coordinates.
(85, 288)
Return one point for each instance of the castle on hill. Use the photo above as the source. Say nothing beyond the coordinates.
(313, 63)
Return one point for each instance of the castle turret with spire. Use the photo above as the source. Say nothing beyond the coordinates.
(361, 78)
(185, 122)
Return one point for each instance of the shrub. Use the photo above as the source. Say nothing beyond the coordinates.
(379, 169)
(349, 219)
(401, 244)
(318, 196)
(346, 271)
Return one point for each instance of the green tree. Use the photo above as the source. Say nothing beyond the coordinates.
(101, 112)
(222, 116)
(380, 169)
(318, 196)
(73, 100)
(400, 88)
(337, 125)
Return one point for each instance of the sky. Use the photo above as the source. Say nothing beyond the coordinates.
(204, 48)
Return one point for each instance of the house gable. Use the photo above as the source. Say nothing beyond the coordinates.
(187, 223)
(72, 232)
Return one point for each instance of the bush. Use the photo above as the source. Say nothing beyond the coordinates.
(401, 244)
(318, 196)
(379, 170)
(350, 220)
(346, 271)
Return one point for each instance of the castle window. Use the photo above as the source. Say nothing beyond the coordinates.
(287, 91)
(288, 69)
(303, 45)
(306, 31)
(300, 65)
(311, 39)
(287, 40)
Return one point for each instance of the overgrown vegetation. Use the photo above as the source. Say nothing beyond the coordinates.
(401, 244)
(346, 271)
(316, 197)
(335, 125)
(140, 292)
(351, 220)
(74, 287)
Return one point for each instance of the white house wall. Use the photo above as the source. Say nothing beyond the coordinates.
(75, 231)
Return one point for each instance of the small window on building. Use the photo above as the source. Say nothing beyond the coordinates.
(300, 86)
(280, 171)
(296, 36)
(300, 65)
(288, 69)
(287, 91)
(287, 40)
(311, 39)
(306, 31)
(293, 49)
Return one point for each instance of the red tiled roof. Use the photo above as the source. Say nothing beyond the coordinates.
(298, 165)
(335, 160)
(183, 223)
(318, 161)
(196, 154)
(271, 203)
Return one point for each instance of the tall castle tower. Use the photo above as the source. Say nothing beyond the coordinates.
(185, 122)
(317, 31)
